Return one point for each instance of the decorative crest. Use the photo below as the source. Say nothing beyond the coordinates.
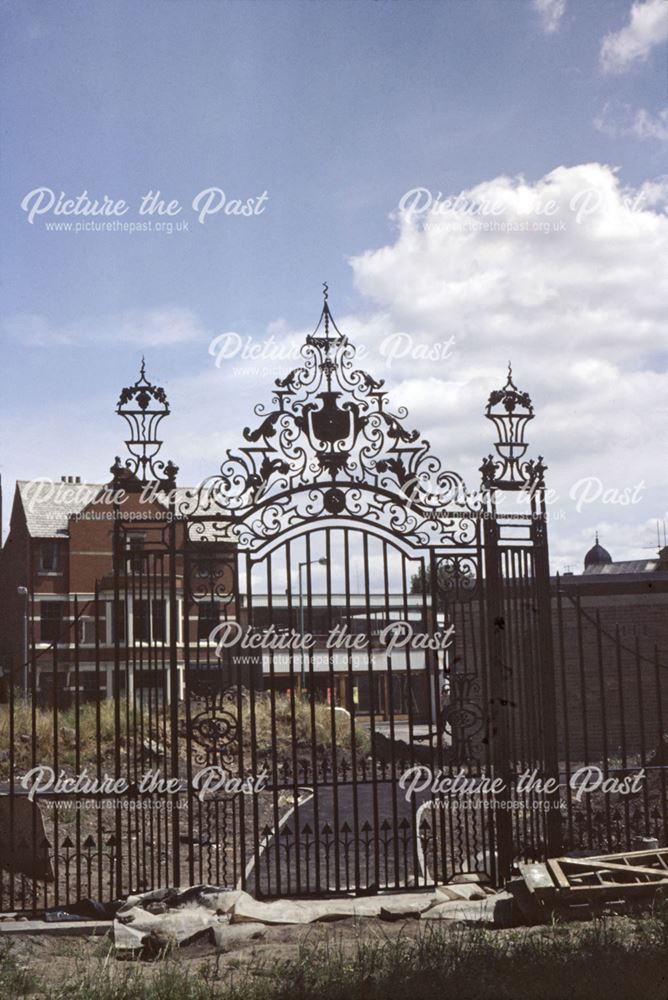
(143, 406)
(330, 446)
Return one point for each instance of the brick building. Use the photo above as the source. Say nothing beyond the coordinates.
(611, 655)
(57, 577)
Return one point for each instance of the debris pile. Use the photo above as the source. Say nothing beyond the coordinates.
(168, 917)
(581, 887)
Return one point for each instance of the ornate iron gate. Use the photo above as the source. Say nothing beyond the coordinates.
(315, 665)
(427, 618)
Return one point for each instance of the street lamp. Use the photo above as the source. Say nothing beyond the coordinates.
(23, 592)
(307, 562)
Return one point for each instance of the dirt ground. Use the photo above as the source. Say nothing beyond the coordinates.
(624, 957)
(55, 958)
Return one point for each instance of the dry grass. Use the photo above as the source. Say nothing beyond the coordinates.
(624, 958)
(35, 734)
(37, 728)
(274, 728)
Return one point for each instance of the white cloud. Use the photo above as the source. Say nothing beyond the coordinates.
(580, 310)
(159, 327)
(647, 27)
(618, 120)
(551, 13)
(647, 126)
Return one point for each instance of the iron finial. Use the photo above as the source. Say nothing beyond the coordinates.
(325, 309)
(143, 406)
(510, 410)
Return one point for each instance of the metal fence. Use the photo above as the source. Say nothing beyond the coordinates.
(439, 652)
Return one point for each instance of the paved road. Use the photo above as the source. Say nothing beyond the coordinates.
(387, 842)
(327, 844)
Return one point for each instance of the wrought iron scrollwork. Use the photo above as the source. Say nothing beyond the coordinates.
(213, 728)
(457, 577)
(467, 718)
(212, 578)
(331, 446)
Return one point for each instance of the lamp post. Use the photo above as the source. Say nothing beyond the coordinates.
(307, 562)
(23, 592)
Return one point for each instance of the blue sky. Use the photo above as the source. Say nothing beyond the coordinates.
(335, 109)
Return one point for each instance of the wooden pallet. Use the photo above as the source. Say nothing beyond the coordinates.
(620, 878)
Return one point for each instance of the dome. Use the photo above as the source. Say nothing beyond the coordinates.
(597, 555)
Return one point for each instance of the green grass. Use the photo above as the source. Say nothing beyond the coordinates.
(622, 958)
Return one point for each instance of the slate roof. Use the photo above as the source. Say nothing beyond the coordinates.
(47, 513)
(618, 568)
(46, 516)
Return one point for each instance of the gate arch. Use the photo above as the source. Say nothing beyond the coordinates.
(335, 514)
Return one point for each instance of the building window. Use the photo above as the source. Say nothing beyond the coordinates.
(159, 620)
(149, 620)
(51, 620)
(48, 562)
(112, 621)
(136, 558)
(209, 618)
(87, 633)
(141, 624)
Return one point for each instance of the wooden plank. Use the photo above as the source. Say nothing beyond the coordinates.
(592, 863)
(566, 876)
(65, 928)
(537, 877)
(659, 854)
(616, 889)
(557, 873)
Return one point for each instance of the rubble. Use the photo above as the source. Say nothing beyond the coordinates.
(570, 887)
(172, 917)
(579, 886)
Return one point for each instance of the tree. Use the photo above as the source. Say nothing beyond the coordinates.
(447, 572)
